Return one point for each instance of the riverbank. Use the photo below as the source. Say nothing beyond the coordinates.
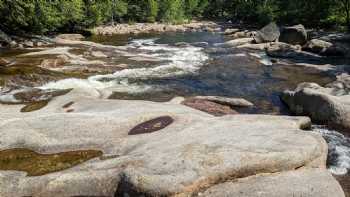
(143, 28)
(127, 89)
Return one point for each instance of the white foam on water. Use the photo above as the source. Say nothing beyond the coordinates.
(338, 148)
(264, 59)
(179, 61)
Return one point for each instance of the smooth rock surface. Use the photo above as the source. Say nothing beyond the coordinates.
(195, 152)
(294, 183)
(327, 105)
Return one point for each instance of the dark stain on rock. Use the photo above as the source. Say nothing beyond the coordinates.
(70, 110)
(68, 104)
(34, 106)
(209, 107)
(152, 125)
(36, 164)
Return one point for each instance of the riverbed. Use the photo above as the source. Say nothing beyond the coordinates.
(159, 67)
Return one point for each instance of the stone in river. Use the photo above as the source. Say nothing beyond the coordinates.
(295, 35)
(328, 105)
(269, 33)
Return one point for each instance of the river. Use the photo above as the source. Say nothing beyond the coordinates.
(158, 67)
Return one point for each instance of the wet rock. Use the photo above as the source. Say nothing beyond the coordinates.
(269, 33)
(74, 37)
(295, 35)
(152, 125)
(35, 164)
(328, 105)
(34, 106)
(193, 154)
(233, 102)
(30, 95)
(210, 107)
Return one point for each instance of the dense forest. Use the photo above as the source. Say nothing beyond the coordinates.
(42, 16)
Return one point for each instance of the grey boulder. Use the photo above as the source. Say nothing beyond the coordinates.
(269, 33)
(294, 35)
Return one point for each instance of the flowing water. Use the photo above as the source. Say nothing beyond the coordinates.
(160, 67)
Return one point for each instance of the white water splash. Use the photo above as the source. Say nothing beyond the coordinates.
(264, 59)
(179, 61)
(338, 148)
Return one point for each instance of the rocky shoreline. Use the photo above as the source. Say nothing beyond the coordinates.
(145, 28)
(110, 147)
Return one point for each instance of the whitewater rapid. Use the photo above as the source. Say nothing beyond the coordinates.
(178, 61)
(338, 150)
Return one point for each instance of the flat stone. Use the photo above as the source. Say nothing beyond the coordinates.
(233, 102)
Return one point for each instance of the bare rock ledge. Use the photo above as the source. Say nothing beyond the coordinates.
(188, 153)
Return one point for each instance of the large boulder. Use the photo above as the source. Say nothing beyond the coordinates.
(284, 50)
(328, 105)
(324, 48)
(295, 35)
(269, 33)
(4, 38)
(134, 148)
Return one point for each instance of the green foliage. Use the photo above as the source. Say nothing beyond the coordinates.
(152, 10)
(172, 11)
(42, 16)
